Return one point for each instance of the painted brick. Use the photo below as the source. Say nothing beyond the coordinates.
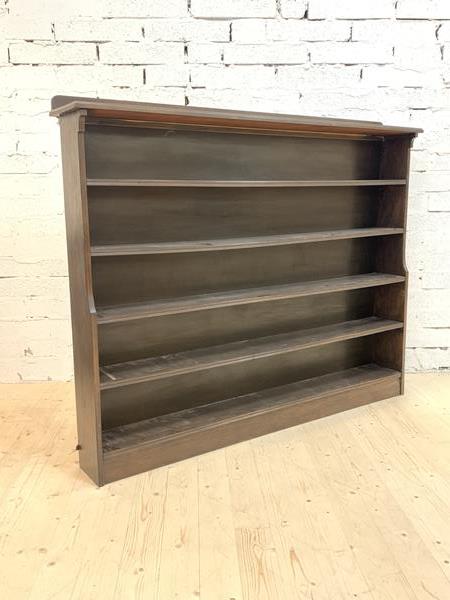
(396, 77)
(35, 340)
(433, 280)
(429, 358)
(443, 32)
(36, 309)
(252, 54)
(293, 9)
(30, 186)
(315, 77)
(233, 77)
(143, 8)
(70, 79)
(439, 202)
(18, 163)
(248, 31)
(445, 53)
(32, 289)
(185, 30)
(307, 31)
(52, 53)
(164, 94)
(428, 337)
(420, 57)
(395, 32)
(98, 30)
(27, 9)
(355, 105)
(205, 53)
(8, 143)
(432, 257)
(351, 9)
(19, 28)
(32, 143)
(99, 8)
(428, 182)
(435, 313)
(237, 9)
(429, 161)
(4, 57)
(142, 53)
(350, 53)
(260, 30)
(271, 100)
(160, 75)
(423, 9)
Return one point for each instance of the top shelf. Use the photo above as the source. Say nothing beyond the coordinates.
(227, 183)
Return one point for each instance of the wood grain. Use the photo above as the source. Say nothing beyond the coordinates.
(171, 334)
(249, 296)
(84, 332)
(120, 109)
(173, 214)
(127, 404)
(224, 183)
(233, 410)
(148, 369)
(240, 243)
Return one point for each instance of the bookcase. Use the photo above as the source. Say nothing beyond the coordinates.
(231, 274)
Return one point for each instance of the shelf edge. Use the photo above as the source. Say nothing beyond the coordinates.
(95, 182)
(228, 244)
(168, 307)
(361, 328)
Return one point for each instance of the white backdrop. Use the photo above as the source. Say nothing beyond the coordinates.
(386, 60)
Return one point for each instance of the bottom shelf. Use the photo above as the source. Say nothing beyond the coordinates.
(140, 446)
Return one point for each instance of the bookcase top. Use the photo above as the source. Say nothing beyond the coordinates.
(190, 115)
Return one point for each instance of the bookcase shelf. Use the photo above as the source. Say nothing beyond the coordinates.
(239, 243)
(245, 296)
(231, 274)
(147, 369)
(242, 183)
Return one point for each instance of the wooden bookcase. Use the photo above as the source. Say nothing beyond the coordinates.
(231, 274)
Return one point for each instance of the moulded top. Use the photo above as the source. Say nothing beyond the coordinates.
(190, 115)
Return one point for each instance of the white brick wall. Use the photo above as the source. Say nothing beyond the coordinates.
(387, 60)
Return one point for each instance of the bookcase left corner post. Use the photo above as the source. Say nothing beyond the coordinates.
(83, 313)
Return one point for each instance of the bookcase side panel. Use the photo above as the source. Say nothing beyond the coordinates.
(391, 256)
(84, 327)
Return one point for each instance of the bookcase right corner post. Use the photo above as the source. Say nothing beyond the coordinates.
(390, 302)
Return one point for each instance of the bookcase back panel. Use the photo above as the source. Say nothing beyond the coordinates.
(390, 255)
(131, 279)
(142, 401)
(121, 152)
(132, 340)
(133, 215)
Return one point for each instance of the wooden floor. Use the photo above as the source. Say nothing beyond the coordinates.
(351, 506)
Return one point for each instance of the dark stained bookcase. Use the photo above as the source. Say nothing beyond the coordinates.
(231, 274)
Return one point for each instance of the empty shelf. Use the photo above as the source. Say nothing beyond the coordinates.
(212, 300)
(241, 243)
(200, 359)
(240, 183)
(231, 411)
